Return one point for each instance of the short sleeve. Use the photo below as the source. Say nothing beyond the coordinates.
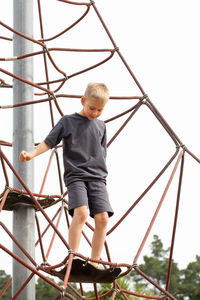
(55, 136)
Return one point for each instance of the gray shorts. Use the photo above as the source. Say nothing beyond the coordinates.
(92, 194)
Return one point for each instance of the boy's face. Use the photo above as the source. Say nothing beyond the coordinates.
(92, 108)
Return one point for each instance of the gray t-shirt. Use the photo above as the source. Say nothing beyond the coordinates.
(84, 147)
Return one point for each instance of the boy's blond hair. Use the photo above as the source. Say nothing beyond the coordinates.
(97, 90)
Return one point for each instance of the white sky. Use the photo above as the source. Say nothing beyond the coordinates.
(160, 42)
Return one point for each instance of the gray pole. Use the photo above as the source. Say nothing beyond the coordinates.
(23, 214)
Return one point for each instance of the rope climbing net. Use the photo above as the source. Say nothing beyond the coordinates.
(51, 89)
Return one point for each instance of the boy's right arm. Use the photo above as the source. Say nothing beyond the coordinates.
(41, 148)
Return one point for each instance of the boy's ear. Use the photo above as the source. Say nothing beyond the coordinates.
(83, 99)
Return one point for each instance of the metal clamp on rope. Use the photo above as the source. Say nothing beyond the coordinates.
(50, 95)
(8, 188)
(53, 95)
(70, 251)
(45, 263)
(21, 194)
(62, 197)
(115, 290)
(145, 98)
(45, 49)
(182, 146)
(113, 267)
(66, 77)
(86, 262)
(92, 2)
(62, 294)
(134, 265)
(116, 49)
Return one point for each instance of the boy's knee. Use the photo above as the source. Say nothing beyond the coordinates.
(81, 214)
(101, 219)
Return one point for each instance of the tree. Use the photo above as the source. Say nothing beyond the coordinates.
(45, 291)
(157, 248)
(156, 267)
(4, 279)
(191, 280)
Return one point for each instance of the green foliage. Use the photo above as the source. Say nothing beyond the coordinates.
(124, 283)
(156, 267)
(45, 291)
(157, 248)
(191, 280)
(4, 278)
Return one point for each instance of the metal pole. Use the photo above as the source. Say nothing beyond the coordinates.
(23, 214)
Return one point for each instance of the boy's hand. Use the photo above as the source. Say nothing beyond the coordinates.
(24, 156)
(41, 148)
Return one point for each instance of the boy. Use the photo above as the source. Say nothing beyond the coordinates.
(85, 171)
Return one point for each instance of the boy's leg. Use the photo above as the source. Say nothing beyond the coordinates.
(99, 236)
(75, 229)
